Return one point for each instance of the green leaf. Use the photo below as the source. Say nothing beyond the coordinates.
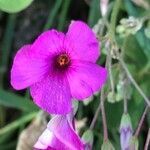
(13, 6)
(144, 42)
(12, 100)
(94, 13)
(113, 114)
(134, 53)
(131, 9)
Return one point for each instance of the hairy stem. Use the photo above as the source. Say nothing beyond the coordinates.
(103, 115)
(113, 19)
(125, 100)
(147, 140)
(141, 122)
(95, 117)
(125, 105)
(133, 81)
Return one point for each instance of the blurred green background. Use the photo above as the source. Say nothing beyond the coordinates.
(21, 27)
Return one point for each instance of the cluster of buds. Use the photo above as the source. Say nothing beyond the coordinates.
(129, 26)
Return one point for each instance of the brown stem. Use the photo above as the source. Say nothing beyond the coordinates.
(147, 140)
(95, 117)
(141, 122)
(103, 115)
(96, 114)
(133, 81)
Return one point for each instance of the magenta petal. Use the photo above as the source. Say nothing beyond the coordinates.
(52, 95)
(85, 78)
(65, 133)
(48, 141)
(27, 68)
(44, 140)
(48, 43)
(83, 42)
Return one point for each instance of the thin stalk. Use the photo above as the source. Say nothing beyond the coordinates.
(125, 105)
(141, 122)
(109, 66)
(102, 99)
(63, 14)
(96, 115)
(103, 116)
(133, 81)
(52, 14)
(147, 140)
(113, 19)
(125, 101)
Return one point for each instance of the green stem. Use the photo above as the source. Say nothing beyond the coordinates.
(52, 14)
(125, 100)
(63, 14)
(113, 19)
(109, 67)
(102, 106)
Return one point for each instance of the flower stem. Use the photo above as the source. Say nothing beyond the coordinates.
(133, 81)
(125, 96)
(113, 19)
(102, 107)
(147, 140)
(96, 115)
(141, 122)
(109, 67)
(103, 115)
(125, 105)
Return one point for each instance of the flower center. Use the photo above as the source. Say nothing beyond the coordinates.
(63, 60)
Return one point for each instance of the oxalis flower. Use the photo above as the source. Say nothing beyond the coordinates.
(58, 67)
(60, 135)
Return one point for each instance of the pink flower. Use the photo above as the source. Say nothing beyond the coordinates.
(58, 67)
(59, 135)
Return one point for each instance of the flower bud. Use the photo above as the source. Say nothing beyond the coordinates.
(125, 131)
(134, 144)
(129, 26)
(88, 139)
(104, 6)
(107, 146)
